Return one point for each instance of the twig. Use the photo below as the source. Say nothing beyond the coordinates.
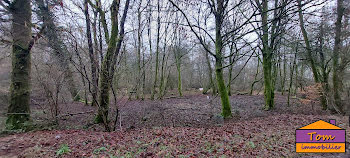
(71, 114)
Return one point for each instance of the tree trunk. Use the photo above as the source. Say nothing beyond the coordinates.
(283, 78)
(301, 79)
(211, 83)
(324, 73)
(162, 78)
(307, 43)
(109, 61)
(100, 44)
(139, 73)
(231, 61)
(291, 76)
(91, 54)
(178, 68)
(149, 33)
(103, 20)
(162, 71)
(154, 91)
(98, 50)
(255, 78)
(274, 75)
(143, 76)
(296, 80)
(337, 83)
(267, 60)
(18, 110)
(83, 73)
(225, 102)
(105, 80)
(96, 43)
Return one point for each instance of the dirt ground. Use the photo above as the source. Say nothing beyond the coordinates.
(168, 127)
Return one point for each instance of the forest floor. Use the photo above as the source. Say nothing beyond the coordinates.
(188, 126)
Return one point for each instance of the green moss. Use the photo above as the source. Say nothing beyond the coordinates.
(15, 122)
(18, 110)
(225, 102)
(98, 119)
(105, 76)
(179, 86)
(77, 97)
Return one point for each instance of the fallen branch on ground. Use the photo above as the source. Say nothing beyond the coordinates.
(72, 114)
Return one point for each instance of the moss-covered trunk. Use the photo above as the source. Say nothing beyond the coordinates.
(268, 87)
(18, 110)
(267, 60)
(225, 102)
(324, 71)
(105, 74)
(105, 84)
(110, 60)
(307, 43)
(319, 78)
(178, 68)
(325, 90)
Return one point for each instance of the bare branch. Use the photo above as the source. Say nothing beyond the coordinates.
(192, 29)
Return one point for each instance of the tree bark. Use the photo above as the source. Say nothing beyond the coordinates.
(149, 33)
(307, 43)
(267, 59)
(139, 34)
(283, 77)
(105, 76)
(154, 91)
(337, 83)
(102, 14)
(91, 54)
(177, 53)
(324, 73)
(109, 61)
(255, 78)
(225, 102)
(291, 76)
(211, 83)
(231, 61)
(18, 110)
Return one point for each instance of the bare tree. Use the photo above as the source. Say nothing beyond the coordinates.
(51, 32)
(92, 55)
(110, 59)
